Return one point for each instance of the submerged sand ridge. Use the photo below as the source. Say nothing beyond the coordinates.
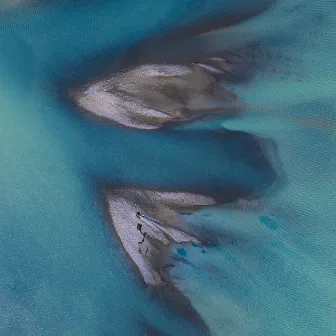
(147, 238)
(152, 95)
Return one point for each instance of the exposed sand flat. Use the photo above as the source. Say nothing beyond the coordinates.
(160, 221)
(149, 96)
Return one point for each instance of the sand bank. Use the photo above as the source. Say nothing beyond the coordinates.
(152, 95)
(161, 225)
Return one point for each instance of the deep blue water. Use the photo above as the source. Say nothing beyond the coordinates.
(63, 271)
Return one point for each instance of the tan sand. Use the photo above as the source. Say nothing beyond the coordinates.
(165, 227)
(150, 96)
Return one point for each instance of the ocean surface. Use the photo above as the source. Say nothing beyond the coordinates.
(63, 271)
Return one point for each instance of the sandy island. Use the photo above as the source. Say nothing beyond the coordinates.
(148, 237)
(152, 95)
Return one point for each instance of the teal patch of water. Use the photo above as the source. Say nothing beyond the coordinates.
(268, 222)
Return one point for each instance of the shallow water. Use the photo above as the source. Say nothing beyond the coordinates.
(63, 270)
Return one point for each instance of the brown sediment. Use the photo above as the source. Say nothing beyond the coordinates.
(167, 293)
(149, 99)
(165, 227)
(134, 98)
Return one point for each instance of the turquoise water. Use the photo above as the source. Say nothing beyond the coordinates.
(274, 271)
(63, 271)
